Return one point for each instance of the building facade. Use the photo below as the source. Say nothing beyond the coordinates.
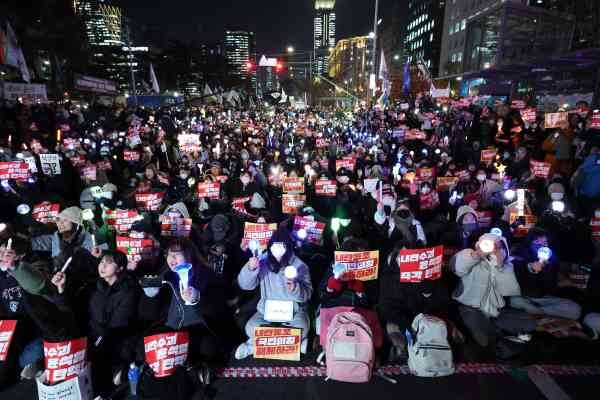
(323, 34)
(240, 47)
(424, 32)
(349, 64)
(104, 22)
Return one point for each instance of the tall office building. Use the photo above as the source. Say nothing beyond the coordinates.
(424, 32)
(324, 34)
(349, 64)
(103, 22)
(240, 48)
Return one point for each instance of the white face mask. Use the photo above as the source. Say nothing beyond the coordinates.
(557, 196)
(389, 201)
(245, 180)
(481, 178)
(425, 190)
(343, 179)
(278, 250)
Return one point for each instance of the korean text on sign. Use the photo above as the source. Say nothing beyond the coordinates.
(421, 264)
(210, 190)
(326, 187)
(292, 203)
(64, 360)
(361, 265)
(314, 229)
(7, 330)
(277, 343)
(165, 352)
(260, 232)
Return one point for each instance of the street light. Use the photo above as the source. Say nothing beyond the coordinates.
(290, 49)
(396, 57)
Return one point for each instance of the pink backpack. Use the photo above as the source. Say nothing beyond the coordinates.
(350, 353)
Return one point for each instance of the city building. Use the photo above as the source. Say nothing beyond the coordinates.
(349, 64)
(424, 32)
(323, 34)
(240, 48)
(390, 40)
(104, 22)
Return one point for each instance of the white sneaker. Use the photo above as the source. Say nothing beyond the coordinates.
(29, 371)
(303, 346)
(243, 351)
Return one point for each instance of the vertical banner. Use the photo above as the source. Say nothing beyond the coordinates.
(165, 352)
(361, 265)
(64, 360)
(420, 264)
(277, 343)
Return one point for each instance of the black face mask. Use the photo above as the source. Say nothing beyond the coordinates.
(403, 214)
(387, 210)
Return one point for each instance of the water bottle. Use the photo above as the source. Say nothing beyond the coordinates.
(133, 376)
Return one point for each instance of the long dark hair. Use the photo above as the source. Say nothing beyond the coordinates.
(283, 236)
(188, 248)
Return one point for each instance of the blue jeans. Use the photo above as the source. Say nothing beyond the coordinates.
(33, 352)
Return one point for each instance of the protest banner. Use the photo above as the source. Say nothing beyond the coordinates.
(540, 169)
(529, 115)
(361, 265)
(326, 187)
(488, 155)
(210, 190)
(149, 201)
(135, 249)
(239, 204)
(314, 229)
(555, 120)
(595, 120)
(131, 155)
(277, 343)
(292, 203)
(321, 143)
(188, 142)
(293, 185)
(346, 162)
(50, 164)
(64, 360)
(165, 352)
(444, 183)
(260, 232)
(175, 227)
(16, 170)
(420, 264)
(45, 212)
(121, 220)
(7, 330)
(426, 174)
(414, 134)
(518, 104)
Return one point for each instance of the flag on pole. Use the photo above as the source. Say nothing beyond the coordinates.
(208, 93)
(406, 78)
(385, 80)
(153, 80)
(14, 54)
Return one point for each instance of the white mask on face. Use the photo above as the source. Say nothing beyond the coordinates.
(245, 180)
(557, 196)
(343, 179)
(183, 176)
(389, 201)
(481, 178)
(425, 190)
(278, 250)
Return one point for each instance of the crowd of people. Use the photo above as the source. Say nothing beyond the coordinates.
(516, 206)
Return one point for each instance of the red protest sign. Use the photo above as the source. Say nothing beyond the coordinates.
(260, 232)
(64, 360)
(175, 227)
(238, 204)
(529, 115)
(321, 143)
(488, 155)
(121, 220)
(326, 187)
(595, 120)
(426, 174)
(131, 155)
(518, 104)
(444, 183)
(165, 352)
(314, 229)
(45, 212)
(540, 169)
(135, 249)
(149, 201)
(7, 330)
(77, 160)
(429, 201)
(361, 265)
(277, 343)
(595, 227)
(346, 162)
(210, 190)
(415, 134)
(420, 264)
(292, 203)
(16, 170)
(189, 143)
(293, 185)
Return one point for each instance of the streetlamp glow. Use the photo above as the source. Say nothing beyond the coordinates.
(290, 49)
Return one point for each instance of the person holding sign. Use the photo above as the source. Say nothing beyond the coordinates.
(486, 277)
(400, 225)
(283, 298)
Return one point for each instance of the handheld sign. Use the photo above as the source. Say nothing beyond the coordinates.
(361, 265)
(7, 330)
(277, 343)
(64, 360)
(420, 264)
(165, 352)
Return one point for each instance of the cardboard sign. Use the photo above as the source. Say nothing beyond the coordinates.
(149, 201)
(415, 134)
(346, 162)
(595, 228)
(523, 230)
(175, 227)
(210, 190)
(292, 203)
(50, 164)
(189, 143)
(45, 212)
(326, 187)
(595, 120)
(238, 204)
(7, 330)
(131, 155)
(293, 185)
(64, 360)
(488, 155)
(77, 388)
(529, 115)
(277, 343)
(426, 174)
(89, 173)
(444, 183)
(361, 265)
(165, 352)
(260, 232)
(121, 220)
(540, 169)
(16, 170)
(314, 229)
(135, 249)
(555, 120)
(429, 201)
(420, 264)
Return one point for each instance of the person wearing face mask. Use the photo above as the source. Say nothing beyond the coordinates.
(490, 192)
(487, 277)
(267, 272)
(179, 187)
(538, 279)
(400, 225)
(520, 165)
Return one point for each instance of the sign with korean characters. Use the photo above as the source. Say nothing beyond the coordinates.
(64, 360)
(314, 229)
(420, 264)
(210, 190)
(346, 162)
(165, 352)
(16, 170)
(7, 330)
(361, 265)
(45, 212)
(175, 227)
(555, 120)
(189, 143)
(444, 183)
(529, 115)
(326, 187)
(131, 155)
(149, 201)
(277, 343)
(122, 220)
(292, 203)
(135, 249)
(488, 155)
(293, 185)
(50, 164)
(540, 169)
(260, 232)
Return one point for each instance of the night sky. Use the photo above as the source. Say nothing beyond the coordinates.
(276, 23)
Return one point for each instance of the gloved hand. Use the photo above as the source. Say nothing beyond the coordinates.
(334, 285)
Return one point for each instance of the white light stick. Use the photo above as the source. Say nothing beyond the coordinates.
(93, 240)
(66, 265)
(9, 244)
(253, 246)
(487, 246)
(302, 234)
(290, 272)
(544, 254)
